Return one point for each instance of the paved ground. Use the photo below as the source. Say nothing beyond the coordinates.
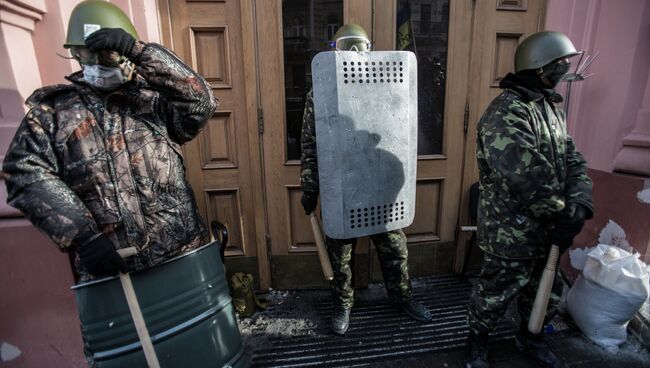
(294, 332)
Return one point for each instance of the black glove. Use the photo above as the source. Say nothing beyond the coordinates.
(309, 201)
(112, 39)
(99, 258)
(567, 225)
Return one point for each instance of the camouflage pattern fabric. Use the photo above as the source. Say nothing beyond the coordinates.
(393, 259)
(529, 170)
(500, 281)
(83, 163)
(391, 246)
(308, 160)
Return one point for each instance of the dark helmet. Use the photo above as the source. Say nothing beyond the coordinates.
(92, 15)
(542, 48)
(351, 36)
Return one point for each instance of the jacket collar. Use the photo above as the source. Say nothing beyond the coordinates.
(529, 88)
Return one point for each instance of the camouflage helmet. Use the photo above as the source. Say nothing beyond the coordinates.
(351, 36)
(92, 15)
(542, 48)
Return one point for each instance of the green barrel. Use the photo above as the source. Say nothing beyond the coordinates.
(187, 309)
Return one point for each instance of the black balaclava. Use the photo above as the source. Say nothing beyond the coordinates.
(552, 73)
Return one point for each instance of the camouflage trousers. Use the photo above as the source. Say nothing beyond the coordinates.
(393, 259)
(500, 281)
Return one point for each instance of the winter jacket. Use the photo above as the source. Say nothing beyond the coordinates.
(529, 171)
(84, 163)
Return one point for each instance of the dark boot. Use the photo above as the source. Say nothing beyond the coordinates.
(416, 310)
(478, 351)
(340, 320)
(535, 347)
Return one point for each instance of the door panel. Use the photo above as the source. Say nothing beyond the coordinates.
(502, 24)
(223, 162)
(286, 44)
(442, 101)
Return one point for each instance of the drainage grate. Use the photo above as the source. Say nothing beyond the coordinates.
(378, 332)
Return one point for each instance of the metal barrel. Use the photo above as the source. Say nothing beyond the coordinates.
(186, 306)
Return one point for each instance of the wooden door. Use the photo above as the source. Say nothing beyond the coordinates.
(223, 163)
(498, 27)
(293, 258)
(431, 237)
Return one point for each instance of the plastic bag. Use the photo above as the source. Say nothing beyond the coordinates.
(243, 297)
(613, 286)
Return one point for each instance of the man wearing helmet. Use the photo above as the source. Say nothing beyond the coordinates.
(391, 245)
(96, 164)
(534, 192)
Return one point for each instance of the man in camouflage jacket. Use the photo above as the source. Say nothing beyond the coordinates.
(99, 170)
(391, 246)
(534, 192)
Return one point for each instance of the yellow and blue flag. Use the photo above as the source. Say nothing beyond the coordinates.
(405, 37)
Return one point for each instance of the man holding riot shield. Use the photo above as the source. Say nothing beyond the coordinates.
(363, 162)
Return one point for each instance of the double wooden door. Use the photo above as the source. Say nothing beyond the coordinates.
(244, 167)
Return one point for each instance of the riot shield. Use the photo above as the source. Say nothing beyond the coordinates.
(365, 107)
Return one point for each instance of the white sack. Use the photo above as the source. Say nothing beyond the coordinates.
(613, 286)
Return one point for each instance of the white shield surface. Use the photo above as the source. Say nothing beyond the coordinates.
(365, 107)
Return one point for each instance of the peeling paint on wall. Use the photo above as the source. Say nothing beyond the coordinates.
(8, 352)
(644, 195)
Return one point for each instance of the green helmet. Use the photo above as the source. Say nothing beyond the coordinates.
(542, 48)
(92, 15)
(351, 36)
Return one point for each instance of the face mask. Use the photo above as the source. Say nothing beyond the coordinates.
(102, 77)
(553, 73)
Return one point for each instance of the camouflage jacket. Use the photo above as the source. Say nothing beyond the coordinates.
(529, 171)
(308, 161)
(82, 163)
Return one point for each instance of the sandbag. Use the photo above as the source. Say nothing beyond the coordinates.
(613, 286)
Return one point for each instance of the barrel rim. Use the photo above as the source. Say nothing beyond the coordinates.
(110, 278)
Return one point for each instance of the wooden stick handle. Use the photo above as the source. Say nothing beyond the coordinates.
(138, 321)
(127, 252)
(320, 246)
(543, 292)
(136, 312)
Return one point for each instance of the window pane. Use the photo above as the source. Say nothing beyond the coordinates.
(308, 28)
(422, 27)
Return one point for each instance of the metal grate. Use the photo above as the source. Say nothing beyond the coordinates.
(379, 332)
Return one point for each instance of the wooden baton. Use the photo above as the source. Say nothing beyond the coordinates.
(136, 312)
(320, 246)
(543, 292)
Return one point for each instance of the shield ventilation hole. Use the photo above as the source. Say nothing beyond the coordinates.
(378, 215)
(384, 71)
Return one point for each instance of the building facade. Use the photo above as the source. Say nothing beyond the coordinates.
(244, 167)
